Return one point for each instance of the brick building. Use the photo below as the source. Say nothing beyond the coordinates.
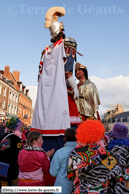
(14, 97)
(3, 96)
(25, 105)
(8, 98)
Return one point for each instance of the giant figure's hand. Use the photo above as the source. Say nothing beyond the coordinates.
(73, 85)
(76, 93)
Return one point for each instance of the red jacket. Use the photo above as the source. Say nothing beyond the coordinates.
(32, 160)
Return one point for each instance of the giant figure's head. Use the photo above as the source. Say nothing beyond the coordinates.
(56, 28)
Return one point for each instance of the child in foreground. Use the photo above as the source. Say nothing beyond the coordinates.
(59, 162)
(33, 161)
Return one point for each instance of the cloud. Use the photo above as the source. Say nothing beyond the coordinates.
(32, 94)
(112, 91)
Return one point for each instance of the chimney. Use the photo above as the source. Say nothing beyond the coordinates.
(6, 70)
(23, 88)
(27, 91)
(16, 74)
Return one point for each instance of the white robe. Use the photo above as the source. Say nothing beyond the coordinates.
(51, 113)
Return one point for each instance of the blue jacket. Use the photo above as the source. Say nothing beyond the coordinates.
(59, 165)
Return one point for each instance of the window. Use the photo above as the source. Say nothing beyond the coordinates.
(4, 91)
(12, 109)
(115, 120)
(9, 108)
(10, 95)
(15, 111)
(19, 111)
(3, 105)
(16, 98)
(121, 119)
(13, 97)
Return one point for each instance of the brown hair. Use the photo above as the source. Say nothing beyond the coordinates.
(34, 135)
(85, 73)
(70, 134)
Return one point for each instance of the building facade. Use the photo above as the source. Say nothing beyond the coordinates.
(14, 97)
(12, 104)
(25, 105)
(8, 98)
(3, 97)
(115, 115)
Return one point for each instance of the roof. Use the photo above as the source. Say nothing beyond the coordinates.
(124, 116)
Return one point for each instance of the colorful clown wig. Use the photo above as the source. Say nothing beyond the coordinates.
(90, 131)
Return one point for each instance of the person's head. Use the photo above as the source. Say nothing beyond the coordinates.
(119, 131)
(14, 124)
(57, 37)
(34, 138)
(7, 130)
(56, 28)
(90, 131)
(70, 135)
(81, 71)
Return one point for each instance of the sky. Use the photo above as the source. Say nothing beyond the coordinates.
(100, 28)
